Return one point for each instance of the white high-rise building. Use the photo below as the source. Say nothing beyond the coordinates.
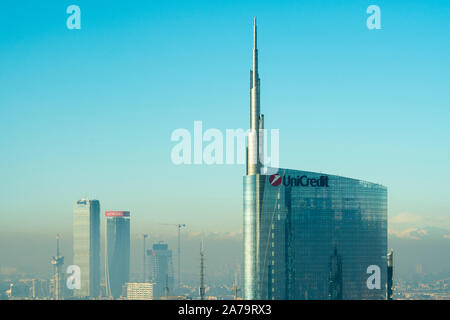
(86, 246)
(139, 291)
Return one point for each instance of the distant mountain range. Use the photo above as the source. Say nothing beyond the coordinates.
(418, 252)
(421, 251)
(426, 233)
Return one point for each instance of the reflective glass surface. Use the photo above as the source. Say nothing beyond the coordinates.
(312, 236)
(118, 254)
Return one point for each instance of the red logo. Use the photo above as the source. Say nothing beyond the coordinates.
(275, 180)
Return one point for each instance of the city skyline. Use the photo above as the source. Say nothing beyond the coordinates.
(95, 113)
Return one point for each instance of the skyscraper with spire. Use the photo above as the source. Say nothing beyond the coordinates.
(256, 118)
(294, 221)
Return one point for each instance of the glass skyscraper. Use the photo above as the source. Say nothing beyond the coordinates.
(86, 246)
(117, 251)
(312, 236)
(161, 269)
(309, 235)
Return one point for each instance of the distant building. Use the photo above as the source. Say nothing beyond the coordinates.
(41, 288)
(390, 275)
(161, 269)
(139, 291)
(117, 269)
(86, 246)
(419, 268)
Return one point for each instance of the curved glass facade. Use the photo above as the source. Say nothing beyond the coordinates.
(312, 236)
(117, 251)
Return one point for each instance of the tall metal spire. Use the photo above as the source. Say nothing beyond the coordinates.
(202, 272)
(256, 122)
(255, 80)
(255, 36)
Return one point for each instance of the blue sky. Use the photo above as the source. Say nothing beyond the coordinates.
(90, 112)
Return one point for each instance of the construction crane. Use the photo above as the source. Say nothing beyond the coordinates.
(179, 226)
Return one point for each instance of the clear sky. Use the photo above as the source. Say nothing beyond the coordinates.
(90, 112)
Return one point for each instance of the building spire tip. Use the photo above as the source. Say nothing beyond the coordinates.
(254, 33)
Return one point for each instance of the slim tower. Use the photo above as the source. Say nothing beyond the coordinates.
(256, 118)
(202, 272)
(58, 262)
(33, 288)
(251, 218)
(179, 226)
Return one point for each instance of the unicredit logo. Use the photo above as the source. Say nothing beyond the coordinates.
(275, 180)
(302, 181)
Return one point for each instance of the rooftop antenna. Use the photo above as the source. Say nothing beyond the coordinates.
(256, 118)
(202, 272)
